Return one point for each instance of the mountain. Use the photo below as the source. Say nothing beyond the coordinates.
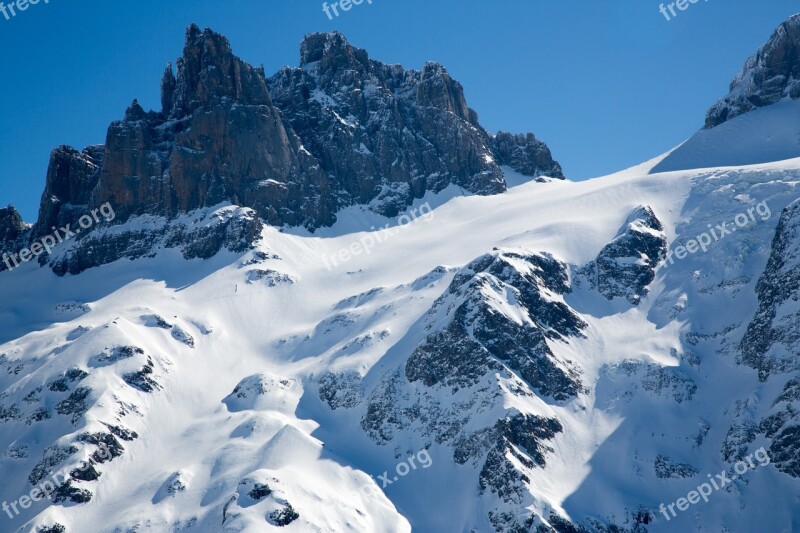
(328, 300)
(757, 122)
(770, 75)
(338, 131)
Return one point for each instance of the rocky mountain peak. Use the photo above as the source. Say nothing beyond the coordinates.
(11, 224)
(338, 131)
(209, 71)
(168, 86)
(437, 89)
(768, 76)
(332, 51)
(135, 111)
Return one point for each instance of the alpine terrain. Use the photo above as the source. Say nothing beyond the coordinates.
(329, 300)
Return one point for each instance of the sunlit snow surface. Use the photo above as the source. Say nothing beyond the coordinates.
(364, 316)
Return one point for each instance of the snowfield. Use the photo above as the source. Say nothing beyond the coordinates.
(242, 349)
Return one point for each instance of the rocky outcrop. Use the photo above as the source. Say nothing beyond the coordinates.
(772, 339)
(386, 135)
(625, 267)
(479, 338)
(202, 235)
(217, 139)
(526, 154)
(340, 130)
(71, 178)
(782, 427)
(768, 76)
(12, 230)
(492, 338)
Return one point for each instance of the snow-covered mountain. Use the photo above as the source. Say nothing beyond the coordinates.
(330, 301)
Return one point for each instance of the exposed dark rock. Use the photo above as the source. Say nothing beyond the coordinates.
(122, 433)
(9, 413)
(68, 492)
(116, 354)
(218, 139)
(168, 85)
(284, 517)
(768, 76)
(738, 439)
(562, 525)
(342, 130)
(271, 278)
(181, 335)
(341, 391)
(142, 379)
(62, 384)
(665, 468)
(626, 266)
(33, 396)
(71, 178)
(202, 237)
(173, 485)
(386, 135)
(75, 404)
(40, 414)
(478, 339)
(11, 226)
(53, 456)
(259, 491)
(526, 154)
(14, 235)
(782, 427)
(109, 448)
(87, 472)
(519, 436)
(55, 528)
(772, 340)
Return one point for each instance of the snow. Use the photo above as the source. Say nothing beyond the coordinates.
(764, 135)
(274, 342)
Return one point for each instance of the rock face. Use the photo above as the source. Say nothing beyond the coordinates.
(491, 333)
(526, 154)
(202, 234)
(340, 130)
(772, 339)
(479, 339)
(387, 135)
(625, 267)
(71, 178)
(771, 344)
(217, 139)
(770, 75)
(12, 230)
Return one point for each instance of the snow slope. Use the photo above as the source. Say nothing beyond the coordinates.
(240, 347)
(763, 135)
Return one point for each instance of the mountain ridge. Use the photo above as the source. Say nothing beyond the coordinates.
(561, 367)
(280, 146)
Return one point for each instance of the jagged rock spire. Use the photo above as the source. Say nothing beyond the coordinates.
(168, 86)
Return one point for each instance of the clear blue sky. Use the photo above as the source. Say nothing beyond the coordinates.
(606, 83)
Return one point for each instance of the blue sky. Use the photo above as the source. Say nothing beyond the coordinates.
(605, 83)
